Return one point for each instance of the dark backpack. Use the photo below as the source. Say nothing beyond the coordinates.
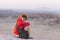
(22, 33)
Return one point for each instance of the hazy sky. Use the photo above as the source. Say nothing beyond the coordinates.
(30, 4)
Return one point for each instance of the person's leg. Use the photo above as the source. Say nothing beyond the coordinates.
(24, 34)
(27, 29)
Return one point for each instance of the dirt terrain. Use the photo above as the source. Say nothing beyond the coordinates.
(39, 30)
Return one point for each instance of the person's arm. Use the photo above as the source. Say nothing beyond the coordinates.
(27, 28)
(26, 24)
(20, 23)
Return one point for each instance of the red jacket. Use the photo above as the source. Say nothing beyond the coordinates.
(20, 24)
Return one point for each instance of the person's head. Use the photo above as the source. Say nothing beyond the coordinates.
(24, 17)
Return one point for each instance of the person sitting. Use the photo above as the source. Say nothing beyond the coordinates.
(22, 29)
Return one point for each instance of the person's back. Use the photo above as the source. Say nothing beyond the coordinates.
(21, 25)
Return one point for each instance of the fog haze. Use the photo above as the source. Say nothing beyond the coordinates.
(30, 4)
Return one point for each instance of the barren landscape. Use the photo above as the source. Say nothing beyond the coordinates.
(43, 27)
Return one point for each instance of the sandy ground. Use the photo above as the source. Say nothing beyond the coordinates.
(38, 31)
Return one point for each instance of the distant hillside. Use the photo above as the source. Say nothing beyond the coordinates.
(6, 13)
(48, 18)
(31, 14)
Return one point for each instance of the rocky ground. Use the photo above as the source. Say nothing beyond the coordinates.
(39, 30)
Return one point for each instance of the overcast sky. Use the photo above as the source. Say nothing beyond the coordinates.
(30, 4)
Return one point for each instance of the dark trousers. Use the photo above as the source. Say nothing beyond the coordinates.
(22, 33)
